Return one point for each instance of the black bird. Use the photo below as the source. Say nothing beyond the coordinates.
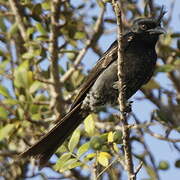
(100, 88)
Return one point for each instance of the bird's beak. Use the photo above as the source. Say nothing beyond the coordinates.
(158, 30)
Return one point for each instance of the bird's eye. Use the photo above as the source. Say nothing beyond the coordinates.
(143, 26)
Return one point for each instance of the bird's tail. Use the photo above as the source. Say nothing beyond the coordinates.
(49, 143)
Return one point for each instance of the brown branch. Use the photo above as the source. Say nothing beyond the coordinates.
(88, 43)
(16, 9)
(138, 168)
(142, 140)
(158, 136)
(56, 101)
(121, 99)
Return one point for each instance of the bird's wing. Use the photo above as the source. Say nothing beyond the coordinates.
(108, 57)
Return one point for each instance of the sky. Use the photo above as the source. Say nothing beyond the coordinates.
(161, 150)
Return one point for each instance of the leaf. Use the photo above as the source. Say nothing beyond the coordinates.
(74, 140)
(22, 77)
(62, 160)
(165, 68)
(4, 91)
(5, 131)
(103, 158)
(13, 30)
(28, 55)
(10, 101)
(74, 165)
(83, 149)
(68, 164)
(89, 124)
(41, 29)
(3, 113)
(19, 74)
(30, 31)
(89, 156)
(37, 9)
(2, 25)
(115, 147)
(79, 35)
(151, 172)
(35, 86)
(152, 84)
(110, 137)
(46, 5)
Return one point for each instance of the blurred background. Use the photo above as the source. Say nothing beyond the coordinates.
(38, 82)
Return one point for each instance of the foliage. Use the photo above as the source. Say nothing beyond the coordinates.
(36, 87)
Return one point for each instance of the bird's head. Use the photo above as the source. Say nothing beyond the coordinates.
(149, 28)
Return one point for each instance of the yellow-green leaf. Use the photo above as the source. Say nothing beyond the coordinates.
(103, 159)
(41, 29)
(83, 149)
(110, 137)
(89, 124)
(152, 84)
(74, 140)
(5, 131)
(4, 91)
(60, 163)
(3, 113)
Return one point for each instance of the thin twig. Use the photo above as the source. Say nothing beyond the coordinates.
(17, 11)
(104, 170)
(55, 89)
(147, 149)
(138, 168)
(158, 136)
(121, 99)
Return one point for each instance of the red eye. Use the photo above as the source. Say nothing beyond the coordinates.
(143, 27)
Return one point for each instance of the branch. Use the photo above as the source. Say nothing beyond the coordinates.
(55, 88)
(121, 99)
(16, 9)
(158, 136)
(147, 149)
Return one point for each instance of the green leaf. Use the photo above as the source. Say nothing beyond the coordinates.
(35, 86)
(74, 140)
(83, 149)
(4, 91)
(36, 116)
(30, 31)
(89, 156)
(110, 137)
(79, 35)
(62, 160)
(69, 164)
(152, 84)
(151, 172)
(103, 158)
(2, 25)
(10, 101)
(3, 113)
(23, 77)
(41, 29)
(75, 164)
(46, 5)
(165, 68)
(13, 30)
(28, 55)
(115, 147)
(5, 131)
(89, 124)
(37, 9)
